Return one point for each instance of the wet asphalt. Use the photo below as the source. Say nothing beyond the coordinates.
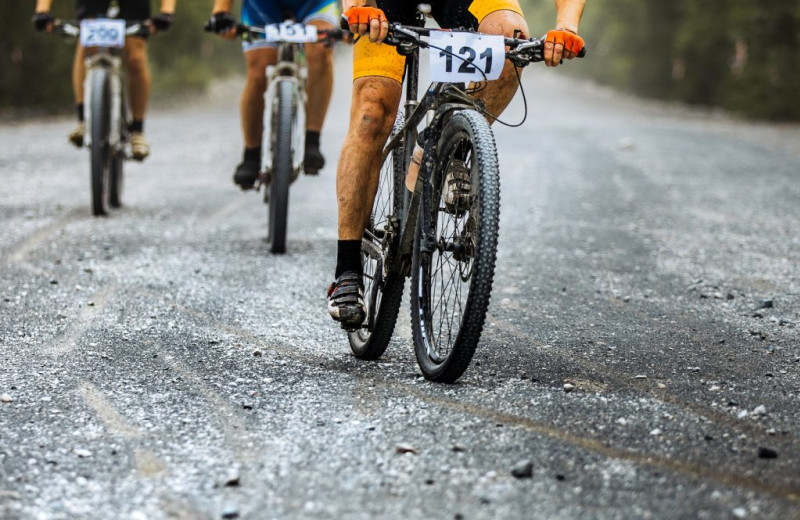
(641, 357)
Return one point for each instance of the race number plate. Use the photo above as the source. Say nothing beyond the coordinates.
(461, 57)
(103, 33)
(290, 32)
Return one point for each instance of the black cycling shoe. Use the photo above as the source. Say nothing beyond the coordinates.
(246, 174)
(313, 160)
(346, 300)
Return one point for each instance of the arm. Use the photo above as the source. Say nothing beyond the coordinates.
(221, 6)
(168, 6)
(347, 4)
(43, 6)
(568, 14)
(42, 19)
(163, 20)
(365, 18)
(564, 42)
(222, 21)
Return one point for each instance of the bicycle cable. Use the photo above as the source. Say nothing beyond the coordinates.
(480, 109)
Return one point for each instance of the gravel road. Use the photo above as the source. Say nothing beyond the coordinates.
(159, 363)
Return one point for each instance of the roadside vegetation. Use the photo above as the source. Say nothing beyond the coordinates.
(736, 55)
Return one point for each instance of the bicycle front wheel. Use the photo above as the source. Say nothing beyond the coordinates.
(116, 177)
(453, 268)
(100, 126)
(383, 286)
(283, 120)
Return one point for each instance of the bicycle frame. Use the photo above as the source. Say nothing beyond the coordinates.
(439, 101)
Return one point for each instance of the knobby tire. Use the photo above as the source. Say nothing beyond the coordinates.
(100, 126)
(383, 291)
(116, 177)
(451, 288)
(283, 119)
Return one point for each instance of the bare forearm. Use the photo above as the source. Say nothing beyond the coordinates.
(222, 6)
(347, 4)
(568, 14)
(168, 6)
(43, 5)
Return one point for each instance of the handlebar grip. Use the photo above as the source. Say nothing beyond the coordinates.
(344, 24)
(240, 28)
(582, 54)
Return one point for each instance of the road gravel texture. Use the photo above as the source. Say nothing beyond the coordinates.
(641, 357)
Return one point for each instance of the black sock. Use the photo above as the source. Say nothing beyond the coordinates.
(348, 257)
(137, 126)
(79, 110)
(252, 154)
(312, 138)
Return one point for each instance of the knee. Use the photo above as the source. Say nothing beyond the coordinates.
(373, 113)
(319, 56)
(507, 23)
(256, 79)
(137, 64)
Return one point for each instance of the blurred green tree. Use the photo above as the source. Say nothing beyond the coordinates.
(36, 67)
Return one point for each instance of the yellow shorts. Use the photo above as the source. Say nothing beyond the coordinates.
(370, 59)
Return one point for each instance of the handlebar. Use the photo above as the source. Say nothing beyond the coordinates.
(521, 51)
(249, 31)
(408, 37)
(72, 28)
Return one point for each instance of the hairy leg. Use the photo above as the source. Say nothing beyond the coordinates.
(372, 113)
(78, 74)
(320, 80)
(138, 75)
(251, 106)
(499, 93)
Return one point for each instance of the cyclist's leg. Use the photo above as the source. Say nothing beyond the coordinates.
(138, 75)
(139, 89)
(373, 109)
(257, 56)
(500, 17)
(378, 72)
(251, 105)
(76, 136)
(324, 15)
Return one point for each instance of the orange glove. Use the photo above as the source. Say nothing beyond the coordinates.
(571, 41)
(361, 22)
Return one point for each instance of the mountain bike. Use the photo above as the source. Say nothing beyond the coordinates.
(443, 234)
(286, 96)
(107, 112)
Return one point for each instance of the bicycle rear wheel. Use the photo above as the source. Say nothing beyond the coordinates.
(283, 121)
(452, 279)
(100, 125)
(383, 288)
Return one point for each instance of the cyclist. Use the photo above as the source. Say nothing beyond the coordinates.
(135, 55)
(378, 75)
(259, 54)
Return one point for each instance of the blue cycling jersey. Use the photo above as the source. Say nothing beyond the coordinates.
(264, 12)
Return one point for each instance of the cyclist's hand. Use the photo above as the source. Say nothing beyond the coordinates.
(368, 20)
(43, 21)
(163, 21)
(561, 45)
(222, 23)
